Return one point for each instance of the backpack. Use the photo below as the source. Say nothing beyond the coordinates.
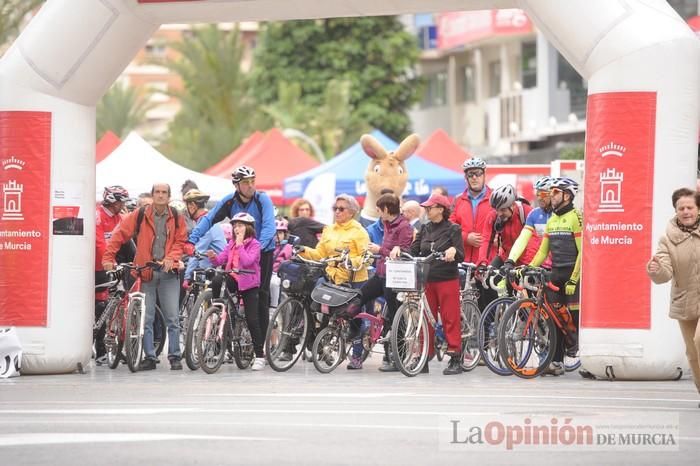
(224, 212)
(142, 213)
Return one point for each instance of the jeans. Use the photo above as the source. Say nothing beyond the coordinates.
(166, 288)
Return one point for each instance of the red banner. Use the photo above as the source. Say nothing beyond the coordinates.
(25, 217)
(617, 210)
(462, 27)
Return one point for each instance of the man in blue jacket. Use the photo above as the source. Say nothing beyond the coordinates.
(258, 204)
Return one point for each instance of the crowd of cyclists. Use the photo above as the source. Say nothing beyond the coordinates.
(243, 234)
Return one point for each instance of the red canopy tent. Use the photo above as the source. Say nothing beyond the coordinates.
(106, 145)
(273, 157)
(224, 166)
(442, 150)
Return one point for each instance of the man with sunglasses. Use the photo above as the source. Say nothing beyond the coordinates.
(562, 238)
(470, 211)
(530, 237)
(259, 205)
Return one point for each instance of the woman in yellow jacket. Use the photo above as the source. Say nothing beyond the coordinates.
(345, 232)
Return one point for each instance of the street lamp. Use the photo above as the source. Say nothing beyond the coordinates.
(295, 133)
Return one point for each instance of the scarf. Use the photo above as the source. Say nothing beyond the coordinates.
(688, 229)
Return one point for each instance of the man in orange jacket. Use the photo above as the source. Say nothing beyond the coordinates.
(161, 237)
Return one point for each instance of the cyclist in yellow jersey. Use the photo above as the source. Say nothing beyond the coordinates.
(562, 239)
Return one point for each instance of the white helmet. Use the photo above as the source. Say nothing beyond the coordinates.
(242, 173)
(474, 162)
(502, 197)
(243, 217)
(543, 184)
(565, 184)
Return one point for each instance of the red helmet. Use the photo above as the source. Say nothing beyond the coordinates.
(114, 194)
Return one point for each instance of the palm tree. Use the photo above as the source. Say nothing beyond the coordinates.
(13, 14)
(121, 110)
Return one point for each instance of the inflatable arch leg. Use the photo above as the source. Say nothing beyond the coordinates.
(642, 123)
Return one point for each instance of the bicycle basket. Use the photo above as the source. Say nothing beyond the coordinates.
(406, 275)
(298, 277)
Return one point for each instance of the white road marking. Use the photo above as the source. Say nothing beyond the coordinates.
(64, 438)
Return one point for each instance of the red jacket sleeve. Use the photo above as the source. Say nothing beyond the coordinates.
(486, 239)
(123, 233)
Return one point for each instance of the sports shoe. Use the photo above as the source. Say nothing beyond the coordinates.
(258, 364)
(147, 365)
(453, 367)
(101, 360)
(175, 365)
(285, 356)
(555, 369)
(388, 366)
(355, 363)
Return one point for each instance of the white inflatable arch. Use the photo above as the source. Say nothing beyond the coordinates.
(642, 66)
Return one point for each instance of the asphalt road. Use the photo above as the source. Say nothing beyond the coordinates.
(110, 417)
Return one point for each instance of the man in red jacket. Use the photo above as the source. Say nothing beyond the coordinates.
(470, 212)
(161, 238)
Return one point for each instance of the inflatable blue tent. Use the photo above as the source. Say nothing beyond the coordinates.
(349, 168)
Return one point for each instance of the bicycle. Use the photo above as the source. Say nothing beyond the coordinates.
(470, 317)
(116, 314)
(409, 331)
(224, 324)
(194, 309)
(332, 344)
(528, 334)
(293, 325)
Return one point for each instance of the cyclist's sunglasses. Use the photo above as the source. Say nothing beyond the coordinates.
(339, 208)
(474, 174)
(554, 191)
(542, 194)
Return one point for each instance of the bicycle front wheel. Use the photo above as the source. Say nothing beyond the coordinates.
(114, 337)
(134, 334)
(489, 324)
(410, 339)
(211, 347)
(287, 335)
(160, 331)
(470, 335)
(200, 306)
(328, 350)
(243, 352)
(527, 339)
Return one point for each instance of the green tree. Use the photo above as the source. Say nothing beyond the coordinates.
(573, 153)
(13, 14)
(216, 112)
(121, 110)
(375, 55)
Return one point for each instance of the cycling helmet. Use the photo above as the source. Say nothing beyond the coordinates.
(281, 225)
(196, 196)
(473, 162)
(243, 217)
(502, 197)
(565, 184)
(114, 194)
(228, 231)
(242, 173)
(543, 184)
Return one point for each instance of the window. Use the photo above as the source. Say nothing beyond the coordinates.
(571, 80)
(435, 91)
(494, 79)
(528, 65)
(468, 84)
(155, 50)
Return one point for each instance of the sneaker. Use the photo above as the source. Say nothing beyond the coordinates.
(147, 365)
(258, 364)
(572, 351)
(453, 367)
(555, 369)
(175, 365)
(101, 360)
(285, 356)
(355, 363)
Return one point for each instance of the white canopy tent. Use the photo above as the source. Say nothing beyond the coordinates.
(136, 165)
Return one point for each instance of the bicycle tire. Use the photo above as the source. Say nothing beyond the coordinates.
(517, 344)
(133, 339)
(116, 328)
(183, 317)
(288, 330)
(243, 352)
(200, 306)
(406, 322)
(488, 335)
(211, 348)
(328, 339)
(471, 316)
(159, 322)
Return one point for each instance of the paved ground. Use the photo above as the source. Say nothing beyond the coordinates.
(301, 417)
